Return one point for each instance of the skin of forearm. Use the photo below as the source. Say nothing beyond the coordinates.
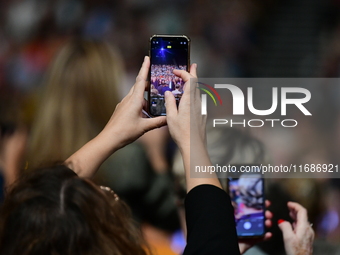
(197, 156)
(86, 161)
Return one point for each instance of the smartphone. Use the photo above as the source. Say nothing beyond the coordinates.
(167, 52)
(247, 197)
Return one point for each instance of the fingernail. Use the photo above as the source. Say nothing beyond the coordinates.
(166, 93)
(280, 221)
(145, 58)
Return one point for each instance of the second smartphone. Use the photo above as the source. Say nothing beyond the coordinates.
(247, 196)
(167, 52)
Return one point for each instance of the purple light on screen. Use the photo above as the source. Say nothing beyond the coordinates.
(330, 221)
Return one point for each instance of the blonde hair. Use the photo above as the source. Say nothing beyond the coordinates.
(80, 95)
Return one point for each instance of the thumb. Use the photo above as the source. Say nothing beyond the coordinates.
(171, 108)
(153, 123)
(286, 229)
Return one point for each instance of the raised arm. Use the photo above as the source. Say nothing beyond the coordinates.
(299, 236)
(209, 213)
(125, 126)
(187, 128)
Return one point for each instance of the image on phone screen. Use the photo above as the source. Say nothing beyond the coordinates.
(166, 54)
(247, 196)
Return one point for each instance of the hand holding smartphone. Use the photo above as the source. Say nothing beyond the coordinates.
(167, 52)
(247, 196)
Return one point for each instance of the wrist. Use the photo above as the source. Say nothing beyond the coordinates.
(110, 139)
(184, 148)
(191, 145)
(86, 161)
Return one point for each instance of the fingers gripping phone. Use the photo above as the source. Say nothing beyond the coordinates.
(247, 196)
(167, 52)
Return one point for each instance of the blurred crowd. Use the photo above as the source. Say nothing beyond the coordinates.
(31, 31)
(224, 36)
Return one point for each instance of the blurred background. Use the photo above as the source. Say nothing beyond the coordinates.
(230, 38)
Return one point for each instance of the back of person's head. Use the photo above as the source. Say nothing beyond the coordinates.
(52, 211)
(81, 92)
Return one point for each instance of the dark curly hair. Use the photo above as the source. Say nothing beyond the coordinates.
(53, 211)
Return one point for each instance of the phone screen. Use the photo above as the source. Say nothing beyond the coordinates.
(166, 54)
(247, 196)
